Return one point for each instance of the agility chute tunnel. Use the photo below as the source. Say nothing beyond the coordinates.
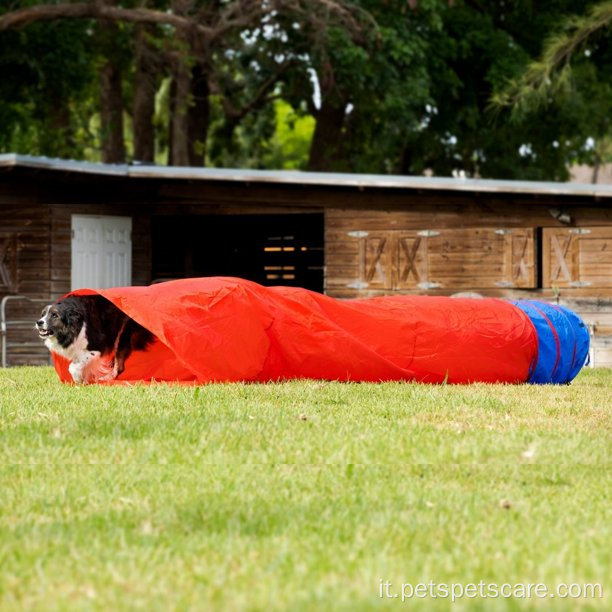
(221, 329)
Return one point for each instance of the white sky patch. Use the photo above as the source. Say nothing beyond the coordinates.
(272, 31)
(250, 36)
(316, 88)
(349, 108)
(589, 144)
(525, 150)
(426, 119)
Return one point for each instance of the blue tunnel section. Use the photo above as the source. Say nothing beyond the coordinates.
(563, 342)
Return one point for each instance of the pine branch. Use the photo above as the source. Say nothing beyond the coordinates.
(551, 73)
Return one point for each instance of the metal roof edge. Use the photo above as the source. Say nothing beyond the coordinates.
(362, 181)
(296, 177)
(65, 165)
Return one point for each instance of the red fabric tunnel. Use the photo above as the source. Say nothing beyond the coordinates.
(228, 329)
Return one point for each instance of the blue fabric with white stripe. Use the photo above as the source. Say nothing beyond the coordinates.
(563, 341)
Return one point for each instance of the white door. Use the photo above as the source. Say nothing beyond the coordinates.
(101, 251)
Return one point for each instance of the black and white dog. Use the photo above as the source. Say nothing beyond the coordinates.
(93, 334)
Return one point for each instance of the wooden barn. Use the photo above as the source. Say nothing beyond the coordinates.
(66, 224)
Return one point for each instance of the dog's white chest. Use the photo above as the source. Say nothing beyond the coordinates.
(73, 352)
(85, 366)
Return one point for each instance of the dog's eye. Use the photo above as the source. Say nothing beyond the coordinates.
(54, 315)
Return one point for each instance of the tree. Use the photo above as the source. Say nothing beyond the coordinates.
(573, 70)
(195, 57)
(483, 44)
(47, 88)
(375, 85)
(552, 71)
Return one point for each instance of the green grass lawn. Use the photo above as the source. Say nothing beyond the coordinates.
(258, 497)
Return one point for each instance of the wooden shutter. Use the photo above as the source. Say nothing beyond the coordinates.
(411, 260)
(359, 260)
(519, 258)
(375, 260)
(577, 257)
(482, 258)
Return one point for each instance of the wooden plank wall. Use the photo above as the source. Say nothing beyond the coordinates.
(29, 224)
(24, 228)
(492, 249)
(597, 314)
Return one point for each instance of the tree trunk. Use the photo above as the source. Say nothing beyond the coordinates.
(111, 114)
(179, 114)
(59, 141)
(198, 116)
(146, 82)
(111, 93)
(180, 92)
(325, 144)
(595, 175)
(171, 96)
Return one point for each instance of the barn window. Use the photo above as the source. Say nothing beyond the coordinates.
(268, 249)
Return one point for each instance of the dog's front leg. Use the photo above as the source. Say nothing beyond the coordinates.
(76, 369)
(83, 368)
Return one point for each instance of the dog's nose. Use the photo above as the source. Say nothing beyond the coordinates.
(40, 322)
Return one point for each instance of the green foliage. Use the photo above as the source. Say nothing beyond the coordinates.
(415, 82)
(550, 75)
(572, 79)
(288, 147)
(479, 51)
(394, 89)
(47, 89)
(277, 137)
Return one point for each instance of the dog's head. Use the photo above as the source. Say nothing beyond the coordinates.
(61, 321)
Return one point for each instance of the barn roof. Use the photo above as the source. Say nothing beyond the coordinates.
(288, 177)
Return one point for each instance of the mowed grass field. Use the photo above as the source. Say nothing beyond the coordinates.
(300, 496)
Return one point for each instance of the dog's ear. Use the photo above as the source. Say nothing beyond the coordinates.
(71, 316)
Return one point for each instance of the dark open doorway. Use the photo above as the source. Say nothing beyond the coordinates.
(268, 249)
